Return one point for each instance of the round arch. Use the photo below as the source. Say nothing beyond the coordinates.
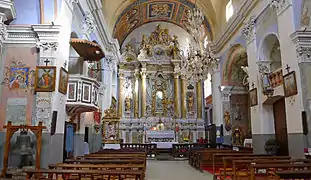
(232, 73)
(269, 50)
(141, 12)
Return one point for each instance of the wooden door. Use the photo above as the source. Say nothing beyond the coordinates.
(280, 126)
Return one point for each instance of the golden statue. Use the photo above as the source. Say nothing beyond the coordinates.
(174, 49)
(127, 104)
(190, 102)
(227, 117)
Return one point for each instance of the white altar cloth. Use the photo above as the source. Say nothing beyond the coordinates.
(164, 144)
(112, 146)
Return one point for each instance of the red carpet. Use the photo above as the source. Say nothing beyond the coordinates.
(210, 170)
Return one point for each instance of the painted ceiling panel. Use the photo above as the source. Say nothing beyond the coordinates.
(141, 12)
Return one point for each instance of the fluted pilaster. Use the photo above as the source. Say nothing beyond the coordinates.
(199, 100)
(183, 98)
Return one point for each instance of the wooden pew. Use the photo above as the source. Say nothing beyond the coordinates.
(103, 167)
(151, 149)
(269, 167)
(203, 157)
(296, 174)
(228, 162)
(84, 174)
(105, 161)
(241, 167)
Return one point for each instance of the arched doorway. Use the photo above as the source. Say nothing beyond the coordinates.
(236, 110)
(270, 52)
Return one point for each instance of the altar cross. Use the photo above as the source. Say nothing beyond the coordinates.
(287, 68)
(47, 61)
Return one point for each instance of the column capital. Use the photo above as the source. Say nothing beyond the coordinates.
(3, 31)
(249, 30)
(280, 5)
(302, 40)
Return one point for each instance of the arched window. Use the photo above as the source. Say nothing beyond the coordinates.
(229, 10)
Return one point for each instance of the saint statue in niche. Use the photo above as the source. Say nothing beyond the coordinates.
(111, 132)
(127, 104)
(159, 101)
(190, 102)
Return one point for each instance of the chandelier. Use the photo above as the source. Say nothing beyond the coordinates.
(198, 61)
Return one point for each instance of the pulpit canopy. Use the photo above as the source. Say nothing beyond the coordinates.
(89, 50)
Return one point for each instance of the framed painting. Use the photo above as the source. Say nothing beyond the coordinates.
(86, 92)
(72, 91)
(45, 78)
(18, 78)
(63, 81)
(290, 84)
(253, 97)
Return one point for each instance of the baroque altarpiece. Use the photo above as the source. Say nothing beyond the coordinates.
(156, 103)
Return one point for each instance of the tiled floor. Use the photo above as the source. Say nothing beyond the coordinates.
(174, 170)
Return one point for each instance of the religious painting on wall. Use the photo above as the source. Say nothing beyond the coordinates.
(86, 92)
(290, 84)
(72, 92)
(111, 131)
(253, 97)
(63, 81)
(45, 78)
(18, 76)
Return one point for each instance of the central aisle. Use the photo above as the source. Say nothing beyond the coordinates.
(174, 170)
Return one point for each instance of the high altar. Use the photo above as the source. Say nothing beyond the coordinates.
(155, 103)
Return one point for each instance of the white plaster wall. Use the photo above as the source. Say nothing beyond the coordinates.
(65, 20)
(294, 105)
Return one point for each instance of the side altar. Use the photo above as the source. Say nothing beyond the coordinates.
(155, 102)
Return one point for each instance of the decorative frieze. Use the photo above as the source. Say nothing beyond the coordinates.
(89, 24)
(249, 30)
(47, 45)
(280, 5)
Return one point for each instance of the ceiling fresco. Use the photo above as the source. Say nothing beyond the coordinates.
(232, 73)
(145, 11)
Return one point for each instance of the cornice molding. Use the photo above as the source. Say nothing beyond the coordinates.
(302, 41)
(234, 24)
(110, 43)
(280, 5)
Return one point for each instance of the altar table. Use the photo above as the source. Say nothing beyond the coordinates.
(164, 144)
(111, 146)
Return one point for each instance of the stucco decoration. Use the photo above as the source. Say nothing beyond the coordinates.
(141, 12)
(232, 72)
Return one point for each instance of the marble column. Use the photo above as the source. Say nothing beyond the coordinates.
(183, 98)
(136, 93)
(217, 99)
(176, 95)
(199, 99)
(176, 91)
(120, 95)
(294, 104)
(144, 91)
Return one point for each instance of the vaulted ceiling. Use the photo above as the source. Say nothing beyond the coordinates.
(124, 16)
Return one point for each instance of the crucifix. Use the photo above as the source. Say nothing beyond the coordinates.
(47, 61)
(287, 68)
